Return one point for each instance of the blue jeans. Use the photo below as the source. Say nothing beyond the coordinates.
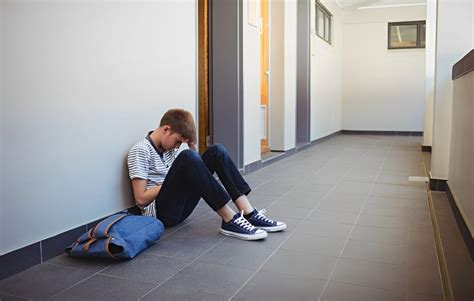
(191, 177)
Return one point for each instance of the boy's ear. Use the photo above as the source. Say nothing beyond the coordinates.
(166, 128)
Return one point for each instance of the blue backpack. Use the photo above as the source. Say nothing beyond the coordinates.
(120, 236)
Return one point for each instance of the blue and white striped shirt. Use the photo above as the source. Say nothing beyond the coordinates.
(146, 162)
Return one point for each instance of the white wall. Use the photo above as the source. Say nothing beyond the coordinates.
(326, 75)
(429, 72)
(383, 89)
(282, 96)
(83, 81)
(251, 87)
(290, 73)
(454, 40)
(277, 75)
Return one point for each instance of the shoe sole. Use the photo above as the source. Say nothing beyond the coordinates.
(274, 229)
(245, 236)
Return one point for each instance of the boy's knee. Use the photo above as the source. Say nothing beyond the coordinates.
(189, 155)
(169, 221)
(218, 148)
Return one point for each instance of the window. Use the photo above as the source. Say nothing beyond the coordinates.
(323, 22)
(406, 35)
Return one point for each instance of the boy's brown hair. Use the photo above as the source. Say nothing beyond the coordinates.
(181, 122)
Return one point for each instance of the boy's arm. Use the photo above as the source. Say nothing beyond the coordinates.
(144, 196)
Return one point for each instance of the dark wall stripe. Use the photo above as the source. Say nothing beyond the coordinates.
(226, 76)
(466, 234)
(464, 66)
(19, 260)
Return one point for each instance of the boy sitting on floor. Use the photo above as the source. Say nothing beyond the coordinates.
(168, 184)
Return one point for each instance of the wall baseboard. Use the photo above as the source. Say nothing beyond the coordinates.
(463, 227)
(437, 184)
(24, 258)
(426, 148)
(382, 133)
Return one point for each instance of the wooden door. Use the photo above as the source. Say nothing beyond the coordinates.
(203, 74)
(264, 72)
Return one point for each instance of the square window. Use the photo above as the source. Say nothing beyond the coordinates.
(406, 35)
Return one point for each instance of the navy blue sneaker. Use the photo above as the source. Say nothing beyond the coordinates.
(259, 220)
(239, 227)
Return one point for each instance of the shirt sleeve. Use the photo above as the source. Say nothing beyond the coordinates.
(138, 162)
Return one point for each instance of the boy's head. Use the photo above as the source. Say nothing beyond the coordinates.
(181, 122)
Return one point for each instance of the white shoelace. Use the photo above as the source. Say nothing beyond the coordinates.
(241, 221)
(261, 216)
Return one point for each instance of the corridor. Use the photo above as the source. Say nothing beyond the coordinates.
(357, 230)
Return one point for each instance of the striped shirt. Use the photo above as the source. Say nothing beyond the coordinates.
(146, 162)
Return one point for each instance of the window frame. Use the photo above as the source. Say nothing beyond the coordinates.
(418, 33)
(326, 13)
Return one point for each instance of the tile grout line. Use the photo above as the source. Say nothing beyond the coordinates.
(191, 262)
(353, 226)
(15, 296)
(285, 240)
(79, 282)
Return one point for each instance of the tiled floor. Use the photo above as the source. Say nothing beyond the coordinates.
(358, 230)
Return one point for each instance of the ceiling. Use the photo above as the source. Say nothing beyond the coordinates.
(357, 4)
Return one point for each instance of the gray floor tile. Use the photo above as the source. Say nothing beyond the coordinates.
(42, 281)
(379, 234)
(361, 175)
(333, 216)
(300, 264)
(101, 287)
(175, 294)
(304, 199)
(314, 244)
(390, 202)
(347, 187)
(327, 178)
(323, 228)
(207, 278)
(378, 275)
(4, 297)
(89, 264)
(238, 253)
(147, 267)
(376, 252)
(185, 247)
(372, 220)
(313, 186)
(207, 227)
(287, 211)
(337, 291)
(280, 287)
(273, 189)
(341, 206)
(399, 191)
